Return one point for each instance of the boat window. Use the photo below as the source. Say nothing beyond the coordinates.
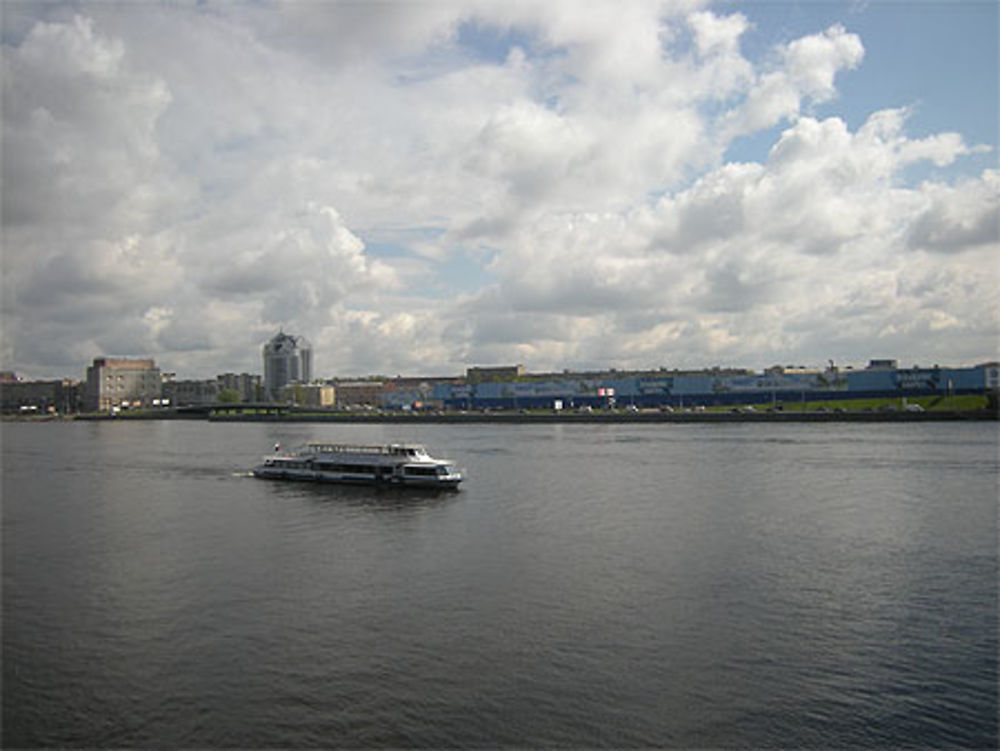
(368, 469)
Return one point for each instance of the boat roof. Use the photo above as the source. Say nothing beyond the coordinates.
(391, 449)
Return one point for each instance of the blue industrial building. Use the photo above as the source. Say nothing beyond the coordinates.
(712, 388)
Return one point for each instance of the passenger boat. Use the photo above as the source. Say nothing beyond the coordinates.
(394, 464)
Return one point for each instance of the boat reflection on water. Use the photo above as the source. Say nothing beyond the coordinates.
(369, 497)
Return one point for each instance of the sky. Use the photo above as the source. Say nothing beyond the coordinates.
(421, 187)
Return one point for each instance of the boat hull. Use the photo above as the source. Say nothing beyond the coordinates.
(305, 475)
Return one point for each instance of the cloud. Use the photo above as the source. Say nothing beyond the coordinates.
(84, 190)
(297, 268)
(424, 186)
(765, 257)
(353, 34)
(954, 219)
(67, 148)
(806, 71)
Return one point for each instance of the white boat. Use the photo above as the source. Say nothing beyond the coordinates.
(395, 464)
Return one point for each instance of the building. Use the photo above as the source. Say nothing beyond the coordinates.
(718, 387)
(119, 383)
(791, 370)
(992, 370)
(287, 359)
(501, 373)
(883, 365)
(39, 397)
(247, 385)
(190, 393)
(308, 395)
(359, 393)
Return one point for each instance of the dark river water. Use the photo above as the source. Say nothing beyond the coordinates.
(672, 586)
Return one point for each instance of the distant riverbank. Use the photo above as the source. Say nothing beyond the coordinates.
(535, 417)
(618, 417)
(912, 409)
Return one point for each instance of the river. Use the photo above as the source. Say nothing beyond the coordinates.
(737, 585)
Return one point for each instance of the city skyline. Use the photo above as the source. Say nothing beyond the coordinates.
(467, 371)
(422, 187)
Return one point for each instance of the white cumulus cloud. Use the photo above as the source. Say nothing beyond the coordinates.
(418, 187)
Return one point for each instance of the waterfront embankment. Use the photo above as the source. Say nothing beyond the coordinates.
(576, 418)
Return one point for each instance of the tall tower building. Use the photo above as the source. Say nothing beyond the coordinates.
(287, 359)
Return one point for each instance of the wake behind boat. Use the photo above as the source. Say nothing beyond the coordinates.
(393, 464)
